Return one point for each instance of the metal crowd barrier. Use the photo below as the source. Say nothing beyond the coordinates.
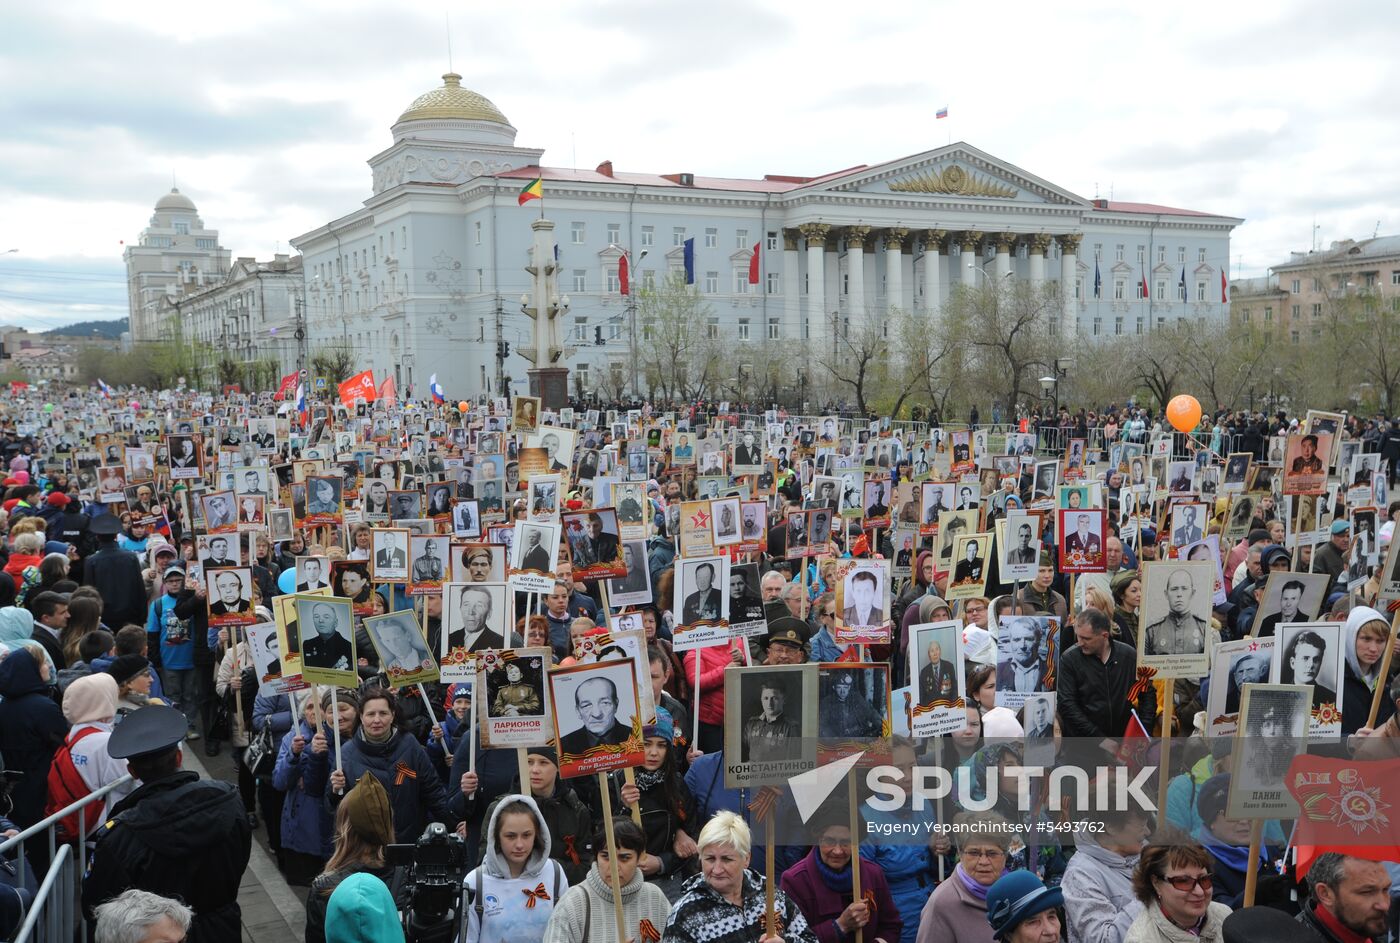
(56, 912)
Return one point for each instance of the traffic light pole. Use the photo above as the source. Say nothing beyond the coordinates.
(500, 352)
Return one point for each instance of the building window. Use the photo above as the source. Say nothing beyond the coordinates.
(741, 281)
(711, 238)
(1370, 279)
(580, 329)
(1119, 289)
(1269, 313)
(1161, 290)
(1181, 253)
(1297, 285)
(806, 281)
(1098, 323)
(1201, 256)
(711, 283)
(1098, 251)
(1244, 315)
(1118, 253)
(480, 286)
(1294, 336)
(773, 328)
(1142, 254)
(614, 233)
(678, 235)
(743, 329)
(1296, 311)
(206, 244)
(1200, 291)
(576, 229)
(1317, 284)
(1395, 276)
(182, 229)
(1139, 325)
(712, 328)
(845, 283)
(1078, 288)
(614, 283)
(648, 330)
(614, 328)
(741, 238)
(1138, 285)
(648, 283)
(477, 229)
(773, 283)
(580, 279)
(1317, 310)
(648, 235)
(772, 242)
(1161, 254)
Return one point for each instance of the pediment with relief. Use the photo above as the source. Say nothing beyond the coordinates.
(955, 171)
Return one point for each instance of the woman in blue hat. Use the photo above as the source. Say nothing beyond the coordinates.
(1021, 909)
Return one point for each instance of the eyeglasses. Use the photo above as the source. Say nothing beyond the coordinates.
(831, 614)
(835, 842)
(1186, 883)
(991, 854)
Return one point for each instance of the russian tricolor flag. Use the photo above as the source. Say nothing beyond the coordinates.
(301, 404)
(941, 113)
(106, 390)
(435, 388)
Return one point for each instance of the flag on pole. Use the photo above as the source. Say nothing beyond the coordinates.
(1142, 275)
(534, 190)
(288, 384)
(360, 386)
(106, 390)
(388, 391)
(1133, 746)
(1347, 806)
(301, 405)
(1224, 288)
(622, 285)
(435, 388)
(1183, 283)
(753, 266)
(689, 256)
(941, 113)
(1098, 279)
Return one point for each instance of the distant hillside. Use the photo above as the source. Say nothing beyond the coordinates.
(108, 329)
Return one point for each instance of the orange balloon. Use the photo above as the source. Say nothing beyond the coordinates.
(463, 406)
(1184, 412)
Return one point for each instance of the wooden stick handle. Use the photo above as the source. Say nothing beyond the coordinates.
(1164, 762)
(1382, 687)
(612, 856)
(1251, 873)
(770, 838)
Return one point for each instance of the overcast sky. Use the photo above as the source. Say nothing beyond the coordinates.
(265, 113)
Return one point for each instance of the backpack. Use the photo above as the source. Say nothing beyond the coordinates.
(67, 787)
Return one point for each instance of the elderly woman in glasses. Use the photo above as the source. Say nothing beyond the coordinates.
(1173, 884)
(958, 908)
(820, 884)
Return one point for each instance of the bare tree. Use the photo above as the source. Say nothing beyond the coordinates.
(1221, 361)
(854, 364)
(1010, 330)
(679, 357)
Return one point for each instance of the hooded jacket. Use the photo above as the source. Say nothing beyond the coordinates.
(570, 825)
(1358, 687)
(1099, 900)
(509, 909)
(31, 729)
(302, 809)
(403, 766)
(91, 704)
(361, 910)
(586, 912)
(178, 836)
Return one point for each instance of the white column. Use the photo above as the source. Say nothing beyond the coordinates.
(792, 296)
(894, 267)
(1069, 271)
(817, 327)
(1037, 258)
(1005, 241)
(933, 257)
(855, 271)
(969, 260)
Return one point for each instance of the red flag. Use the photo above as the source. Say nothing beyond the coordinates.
(1145, 295)
(1132, 749)
(1224, 288)
(1348, 806)
(17, 385)
(289, 382)
(387, 392)
(753, 266)
(623, 287)
(852, 653)
(360, 386)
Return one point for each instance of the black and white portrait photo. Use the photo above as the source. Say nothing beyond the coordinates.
(474, 617)
(1236, 663)
(466, 520)
(1175, 616)
(634, 589)
(534, 552)
(229, 596)
(596, 717)
(427, 563)
(853, 700)
(312, 573)
(1026, 658)
(439, 500)
(862, 598)
(700, 594)
(1020, 559)
(405, 505)
(325, 630)
(776, 737)
(389, 555)
(1275, 719)
(1289, 598)
(217, 550)
(1312, 654)
(479, 563)
(402, 650)
(937, 678)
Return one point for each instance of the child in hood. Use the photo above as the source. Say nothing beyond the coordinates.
(514, 891)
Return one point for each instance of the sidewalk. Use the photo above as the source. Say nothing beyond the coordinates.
(272, 911)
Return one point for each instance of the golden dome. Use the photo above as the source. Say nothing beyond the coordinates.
(453, 101)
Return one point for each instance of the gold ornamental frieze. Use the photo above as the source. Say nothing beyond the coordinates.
(955, 180)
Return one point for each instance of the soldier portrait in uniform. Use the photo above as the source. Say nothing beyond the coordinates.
(772, 732)
(1180, 629)
(853, 701)
(427, 568)
(515, 687)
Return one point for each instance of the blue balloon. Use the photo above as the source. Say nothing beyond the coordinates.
(287, 580)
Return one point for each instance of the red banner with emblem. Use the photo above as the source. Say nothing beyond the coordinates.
(360, 386)
(1348, 806)
(286, 387)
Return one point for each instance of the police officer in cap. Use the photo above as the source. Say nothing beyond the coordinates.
(786, 642)
(177, 835)
(116, 574)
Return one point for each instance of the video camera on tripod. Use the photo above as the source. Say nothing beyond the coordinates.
(436, 866)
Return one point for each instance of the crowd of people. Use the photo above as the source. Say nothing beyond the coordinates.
(122, 589)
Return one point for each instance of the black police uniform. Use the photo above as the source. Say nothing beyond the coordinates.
(116, 574)
(177, 836)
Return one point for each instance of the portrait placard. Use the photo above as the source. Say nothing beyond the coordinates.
(623, 645)
(1174, 619)
(514, 711)
(1236, 663)
(853, 709)
(1020, 557)
(543, 499)
(1311, 653)
(350, 578)
(696, 539)
(1027, 658)
(325, 629)
(479, 563)
(1081, 536)
(1289, 598)
(1305, 463)
(389, 554)
(724, 521)
(634, 589)
(702, 603)
(938, 678)
(862, 602)
(594, 544)
(597, 718)
(476, 617)
(525, 413)
(186, 455)
(745, 601)
(969, 577)
(267, 660)
(427, 563)
(753, 520)
(777, 736)
(323, 500)
(229, 596)
(1274, 731)
(534, 553)
(403, 651)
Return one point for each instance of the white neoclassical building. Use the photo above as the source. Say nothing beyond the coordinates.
(174, 255)
(427, 276)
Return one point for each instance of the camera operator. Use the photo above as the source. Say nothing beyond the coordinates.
(364, 824)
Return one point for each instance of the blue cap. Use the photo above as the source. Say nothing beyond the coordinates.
(665, 727)
(1341, 526)
(1017, 896)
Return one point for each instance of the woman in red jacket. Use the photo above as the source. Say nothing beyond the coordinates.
(710, 709)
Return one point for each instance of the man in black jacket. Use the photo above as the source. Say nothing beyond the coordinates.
(1096, 675)
(176, 835)
(116, 574)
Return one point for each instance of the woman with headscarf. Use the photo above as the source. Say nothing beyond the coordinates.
(1364, 637)
(90, 705)
(821, 885)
